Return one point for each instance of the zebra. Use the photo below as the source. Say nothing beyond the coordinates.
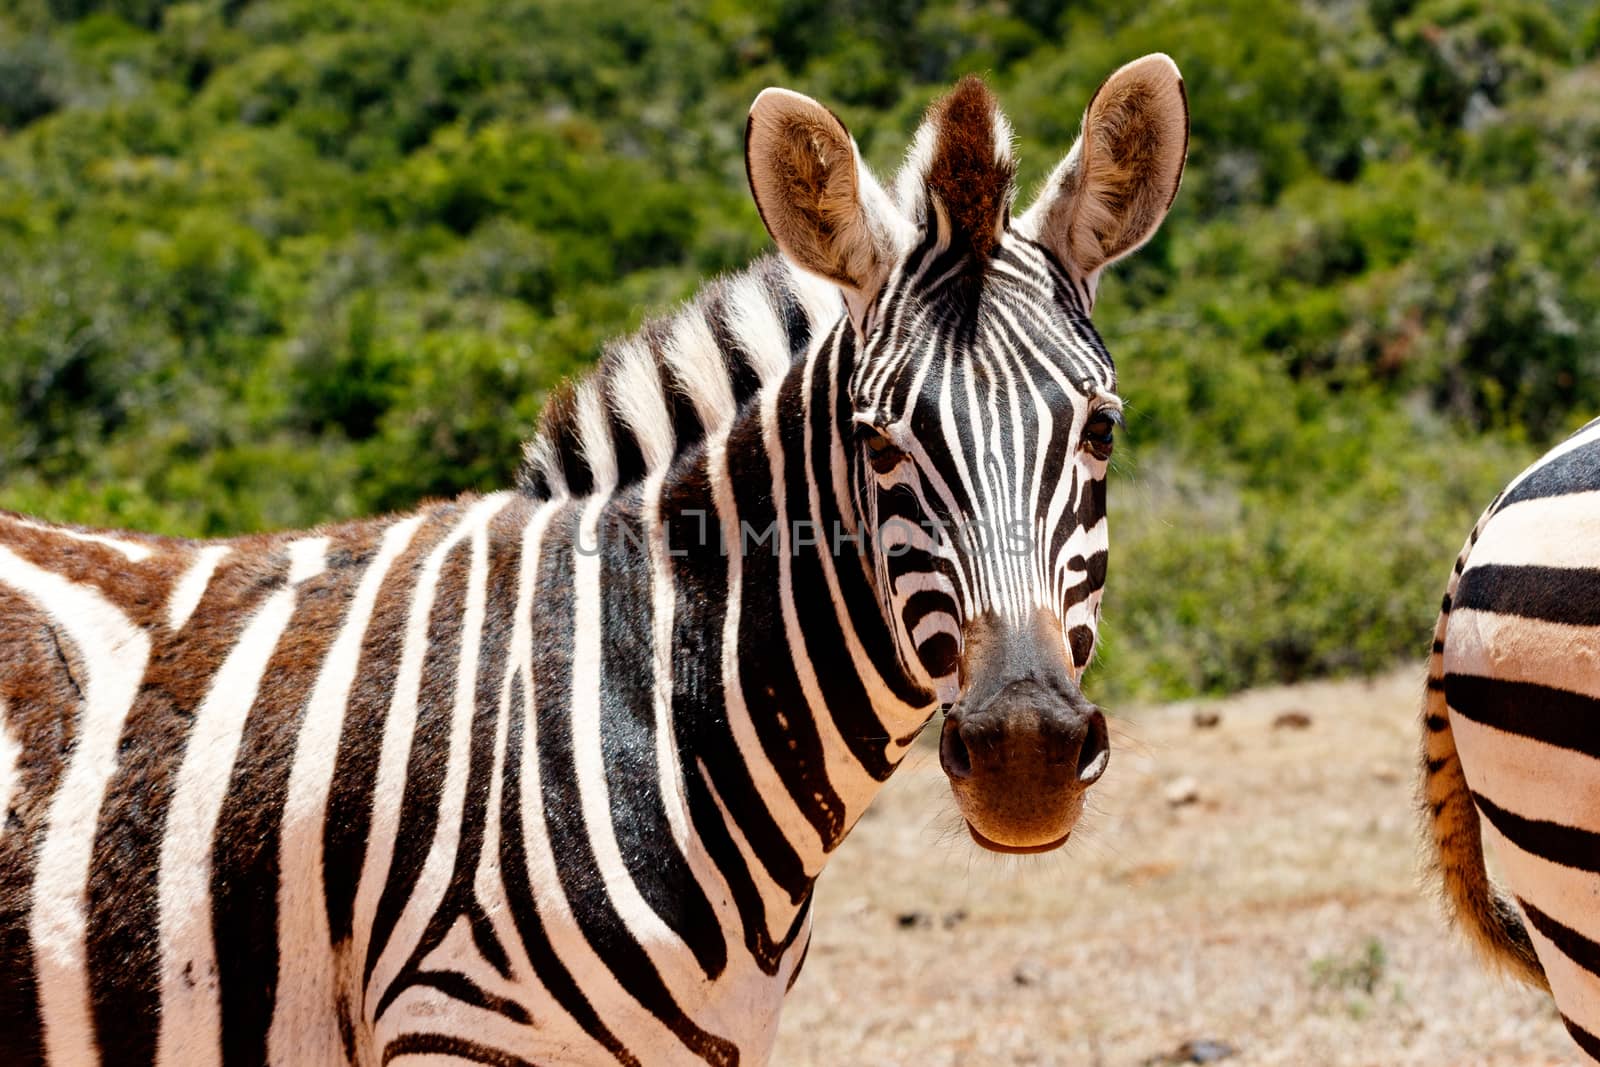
(546, 776)
(1511, 733)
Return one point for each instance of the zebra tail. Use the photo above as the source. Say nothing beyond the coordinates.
(1451, 830)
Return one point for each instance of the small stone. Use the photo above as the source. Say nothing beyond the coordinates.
(1182, 791)
(1027, 973)
(1200, 1050)
(1206, 718)
(1387, 774)
(1292, 720)
(913, 920)
(1205, 1050)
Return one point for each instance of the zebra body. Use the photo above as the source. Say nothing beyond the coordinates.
(547, 776)
(1512, 732)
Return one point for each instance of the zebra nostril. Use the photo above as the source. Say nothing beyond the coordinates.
(953, 754)
(1096, 751)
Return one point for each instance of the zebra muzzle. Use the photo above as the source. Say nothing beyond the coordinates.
(1022, 746)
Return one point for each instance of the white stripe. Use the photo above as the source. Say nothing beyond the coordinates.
(434, 877)
(754, 323)
(1529, 777)
(820, 300)
(849, 779)
(555, 1038)
(10, 749)
(304, 1029)
(696, 361)
(672, 958)
(1567, 895)
(191, 587)
(112, 654)
(895, 714)
(1515, 649)
(636, 1028)
(635, 393)
(399, 728)
(191, 1020)
(308, 557)
(594, 436)
(769, 786)
(132, 550)
(1557, 531)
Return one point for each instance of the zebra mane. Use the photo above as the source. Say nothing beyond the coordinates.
(962, 159)
(654, 395)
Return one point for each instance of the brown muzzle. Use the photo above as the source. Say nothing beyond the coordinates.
(1022, 746)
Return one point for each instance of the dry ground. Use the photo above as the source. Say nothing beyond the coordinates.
(1279, 913)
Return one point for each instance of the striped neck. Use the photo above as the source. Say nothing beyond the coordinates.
(789, 706)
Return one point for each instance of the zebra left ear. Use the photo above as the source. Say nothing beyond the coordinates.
(822, 206)
(1111, 192)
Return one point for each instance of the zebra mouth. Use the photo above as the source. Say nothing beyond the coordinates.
(1015, 850)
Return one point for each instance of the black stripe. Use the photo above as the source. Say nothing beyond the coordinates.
(628, 744)
(35, 667)
(454, 1047)
(1584, 1039)
(686, 425)
(842, 689)
(1555, 716)
(245, 856)
(458, 986)
(460, 899)
(925, 602)
(1569, 846)
(1573, 945)
(796, 325)
(355, 770)
(700, 725)
(699, 718)
(737, 363)
(625, 446)
(1568, 595)
(1093, 569)
(520, 901)
(1081, 640)
(578, 870)
(855, 589)
(123, 927)
(1575, 471)
(768, 682)
(426, 768)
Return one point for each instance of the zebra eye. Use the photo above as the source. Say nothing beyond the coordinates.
(1100, 434)
(881, 452)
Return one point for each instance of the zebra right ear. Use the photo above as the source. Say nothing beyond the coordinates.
(825, 210)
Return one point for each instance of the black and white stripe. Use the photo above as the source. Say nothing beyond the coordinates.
(1512, 731)
(547, 776)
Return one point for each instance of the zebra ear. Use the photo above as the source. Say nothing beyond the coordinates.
(1110, 193)
(824, 209)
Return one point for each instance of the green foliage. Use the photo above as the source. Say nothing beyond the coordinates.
(276, 262)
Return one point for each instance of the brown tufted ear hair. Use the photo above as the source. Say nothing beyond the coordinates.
(963, 156)
(824, 209)
(1113, 189)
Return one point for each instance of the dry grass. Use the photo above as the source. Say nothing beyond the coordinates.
(1279, 913)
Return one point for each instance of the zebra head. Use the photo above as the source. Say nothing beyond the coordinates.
(976, 407)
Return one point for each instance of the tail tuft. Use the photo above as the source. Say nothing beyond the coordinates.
(1454, 835)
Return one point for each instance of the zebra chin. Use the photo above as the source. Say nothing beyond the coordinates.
(1022, 746)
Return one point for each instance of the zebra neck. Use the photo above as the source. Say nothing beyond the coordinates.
(788, 703)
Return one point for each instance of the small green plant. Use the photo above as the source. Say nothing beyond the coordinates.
(1356, 976)
(1360, 971)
